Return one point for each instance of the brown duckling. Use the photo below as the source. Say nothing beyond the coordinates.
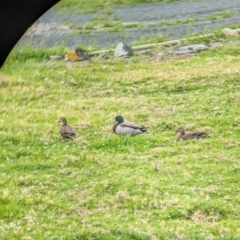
(182, 135)
(66, 131)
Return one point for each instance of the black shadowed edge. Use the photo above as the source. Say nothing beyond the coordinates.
(16, 16)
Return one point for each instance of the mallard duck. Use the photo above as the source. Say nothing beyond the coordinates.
(191, 135)
(124, 128)
(66, 131)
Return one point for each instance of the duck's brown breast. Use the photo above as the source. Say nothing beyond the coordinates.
(114, 127)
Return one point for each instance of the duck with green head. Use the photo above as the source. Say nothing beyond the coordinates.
(125, 128)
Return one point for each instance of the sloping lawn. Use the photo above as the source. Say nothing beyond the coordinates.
(102, 186)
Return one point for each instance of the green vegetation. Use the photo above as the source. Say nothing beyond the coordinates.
(176, 22)
(220, 15)
(106, 24)
(97, 24)
(86, 6)
(103, 186)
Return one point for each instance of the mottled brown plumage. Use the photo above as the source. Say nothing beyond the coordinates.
(182, 135)
(66, 131)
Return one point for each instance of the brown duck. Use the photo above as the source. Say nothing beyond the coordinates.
(66, 131)
(182, 135)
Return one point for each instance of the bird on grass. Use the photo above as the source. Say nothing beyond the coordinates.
(124, 128)
(66, 131)
(182, 135)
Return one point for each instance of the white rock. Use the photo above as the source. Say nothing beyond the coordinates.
(123, 50)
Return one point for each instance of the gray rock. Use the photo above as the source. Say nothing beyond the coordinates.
(123, 50)
(81, 54)
(188, 49)
(231, 32)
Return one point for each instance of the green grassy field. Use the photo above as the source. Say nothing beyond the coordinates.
(103, 186)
